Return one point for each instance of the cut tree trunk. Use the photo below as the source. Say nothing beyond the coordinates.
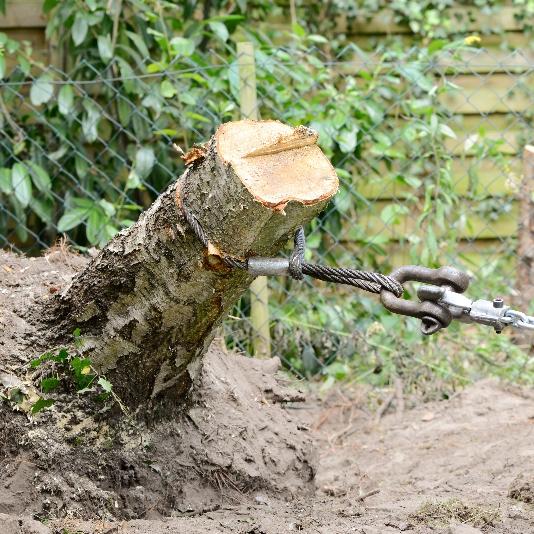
(149, 304)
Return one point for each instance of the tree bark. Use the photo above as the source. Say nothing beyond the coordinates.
(148, 305)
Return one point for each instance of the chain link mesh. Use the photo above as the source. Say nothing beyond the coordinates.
(428, 151)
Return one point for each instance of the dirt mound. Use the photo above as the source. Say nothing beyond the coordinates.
(86, 459)
(233, 438)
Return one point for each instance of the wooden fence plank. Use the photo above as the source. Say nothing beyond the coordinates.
(499, 93)
(23, 14)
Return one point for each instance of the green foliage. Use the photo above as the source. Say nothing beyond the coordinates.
(69, 372)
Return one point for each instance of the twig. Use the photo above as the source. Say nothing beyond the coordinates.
(14, 126)
(368, 494)
(383, 408)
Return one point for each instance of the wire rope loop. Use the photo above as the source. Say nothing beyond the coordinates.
(297, 255)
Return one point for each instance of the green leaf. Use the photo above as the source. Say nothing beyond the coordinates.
(43, 207)
(95, 223)
(79, 29)
(392, 213)
(220, 30)
(61, 356)
(447, 130)
(82, 372)
(24, 65)
(41, 404)
(2, 67)
(413, 74)
(40, 177)
(43, 358)
(49, 384)
(72, 218)
(167, 89)
(182, 46)
(108, 207)
(166, 131)
(22, 185)
(436, 45)
(105, 47)
(105, 385)
(144, 161)
(5, 180)
(347, 140)
(139, 43)
(90, 121)
(48, 5)
(42, 90)
(65, 99)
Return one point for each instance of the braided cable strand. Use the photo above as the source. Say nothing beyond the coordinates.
(234, 263)
(366, 280)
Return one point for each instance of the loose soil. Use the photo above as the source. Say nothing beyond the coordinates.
(249, 453)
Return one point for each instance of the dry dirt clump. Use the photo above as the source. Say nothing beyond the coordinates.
(443, 513)
(522, 488)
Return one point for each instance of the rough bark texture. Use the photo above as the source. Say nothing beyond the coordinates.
(525, 268)
(149, 304)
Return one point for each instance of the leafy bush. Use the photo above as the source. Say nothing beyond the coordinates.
(85, 150)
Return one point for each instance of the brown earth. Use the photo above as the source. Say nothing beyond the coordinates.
(245, 456)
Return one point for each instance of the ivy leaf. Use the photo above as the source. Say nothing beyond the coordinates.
(5, 180)
(72, 218)
(79, 29)
(41, 404)
(105, 47)
(22, 185)
(49, 384)
(65, 100)
(42, 90)
(40, 177)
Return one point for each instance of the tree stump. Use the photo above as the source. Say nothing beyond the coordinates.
(200, 427)
(149, 304)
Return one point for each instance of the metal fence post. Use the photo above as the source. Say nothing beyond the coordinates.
(259, 290)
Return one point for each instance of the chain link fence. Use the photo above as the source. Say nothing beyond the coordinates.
(427, 144)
